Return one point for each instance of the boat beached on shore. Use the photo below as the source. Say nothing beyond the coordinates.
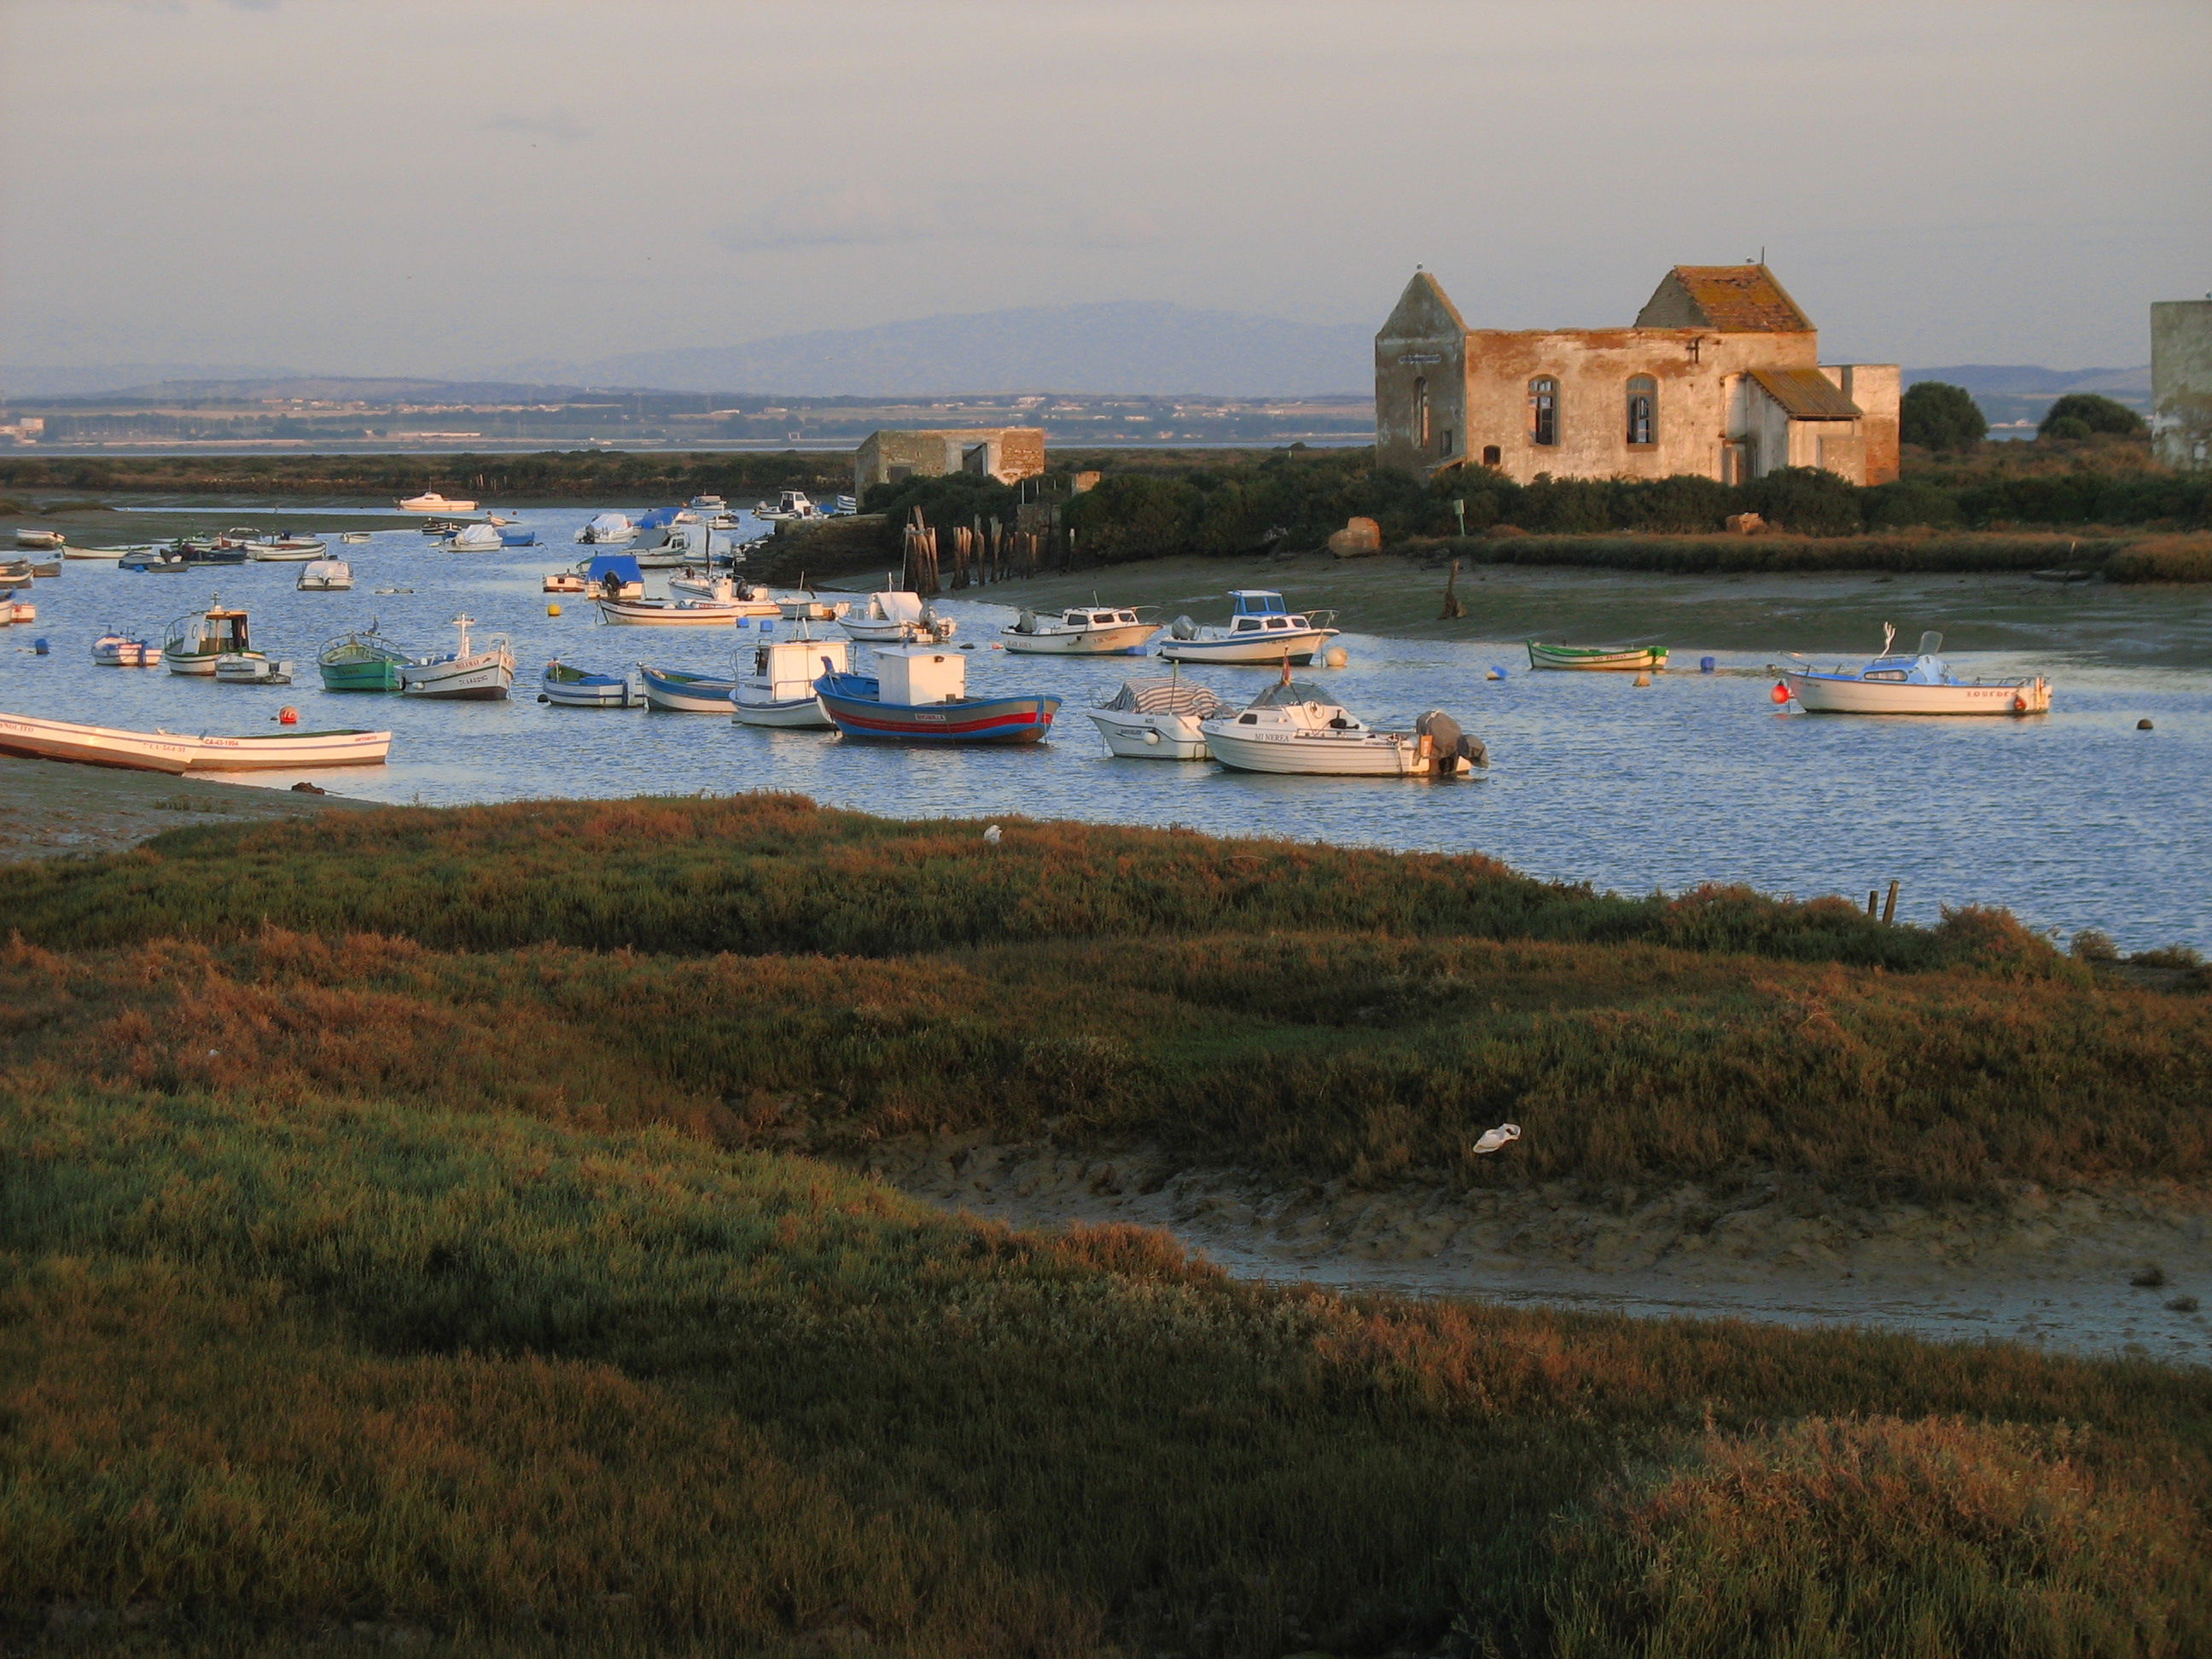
(178, 752)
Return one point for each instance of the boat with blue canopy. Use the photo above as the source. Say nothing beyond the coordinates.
(1262, 629)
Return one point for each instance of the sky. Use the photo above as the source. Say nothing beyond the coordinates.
(384, 186)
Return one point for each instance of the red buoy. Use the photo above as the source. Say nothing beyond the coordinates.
(288, 716)
(1781, 691)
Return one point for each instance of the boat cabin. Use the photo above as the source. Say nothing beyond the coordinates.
(214, 631)
(913, 674)
(785, 670)
(1260, 610)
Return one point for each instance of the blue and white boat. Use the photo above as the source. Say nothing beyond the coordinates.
(918, 694)
(685, 693)
(1262, 629)
(575, 688)
(1922, 683)
(521, 536)
(608, 529)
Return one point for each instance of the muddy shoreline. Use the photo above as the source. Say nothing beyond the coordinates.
(2050, 1269)
(50, 808)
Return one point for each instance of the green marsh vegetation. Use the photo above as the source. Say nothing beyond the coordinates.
(414, 1231)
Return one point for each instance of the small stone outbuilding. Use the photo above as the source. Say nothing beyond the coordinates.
(1720, 376)
(2181, 382)
(1004, 452)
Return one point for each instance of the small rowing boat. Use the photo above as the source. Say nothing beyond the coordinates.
(177, 752)
(682, 693)
(576, 687)
(1631, 659)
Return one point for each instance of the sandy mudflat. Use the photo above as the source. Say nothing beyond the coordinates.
(50, 807)
(2046, 1268)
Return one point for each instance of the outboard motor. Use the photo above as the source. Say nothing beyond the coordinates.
(1452, 747)
(1184, 629)
(1028, 622)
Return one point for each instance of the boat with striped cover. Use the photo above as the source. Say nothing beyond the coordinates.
(918, 694)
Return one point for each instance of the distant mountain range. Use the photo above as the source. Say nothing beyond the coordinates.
(1134, 346)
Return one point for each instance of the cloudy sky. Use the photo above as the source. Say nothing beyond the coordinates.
(388, 187)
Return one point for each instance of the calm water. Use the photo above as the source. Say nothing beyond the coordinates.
(2074, 819)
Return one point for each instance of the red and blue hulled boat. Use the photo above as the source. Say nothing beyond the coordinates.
(918, 694)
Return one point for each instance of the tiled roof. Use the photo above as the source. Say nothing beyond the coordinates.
(1727, 299)
(1806, 394)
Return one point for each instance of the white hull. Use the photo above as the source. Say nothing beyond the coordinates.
(685, 702)
(1150, 737)
(39, 541)
(589, 697)
(1817, 695)
(482, 676)
(195, 663)
(1123, 639)
(647, 613)
(253, 671)
(176, 752)
(435, 504)
(288, 554)
(102, 552)
(801, 712)
(1268, 649)
(1311, 755)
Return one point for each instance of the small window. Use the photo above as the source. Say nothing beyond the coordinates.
(1444, 443)
(1642, 409)
(1421, 409)
(1491, 455)
(1543, 410)
(1278, 622)
(1247, 719)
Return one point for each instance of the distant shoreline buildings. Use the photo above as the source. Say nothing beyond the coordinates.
(1720, 376)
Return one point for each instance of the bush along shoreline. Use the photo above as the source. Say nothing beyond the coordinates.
(420, 1231)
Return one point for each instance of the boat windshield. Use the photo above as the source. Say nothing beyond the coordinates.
(1931, 643)
(1286, 693)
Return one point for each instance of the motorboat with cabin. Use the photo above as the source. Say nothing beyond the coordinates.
(607, 529)
(576, 687)
(479, 672)
(324, 576)
(1293, 727)
(918, 694)
(362, 660)
(1604, 659)
(708, 504)
(1921, 684)
(124, 651)
(790, 504)
(199, 638)
(1262, 629)
(896, 618)
(780, 689)
(721, 611)
(252, 668)
(1158, 719)
(431, 502)
(1086, 630)
(476, 538)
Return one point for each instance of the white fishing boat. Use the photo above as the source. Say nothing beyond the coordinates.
(1922, 683)
(431, 502)
(568, 581)
(789, 504)
(896, 618)
(476, 538)
(252, 668)
(44, 541)
(607, 529)
(199, 638)
(480, 673)
(780, 690)
(1262, 629)
(283, 549)
(668, 546)
(177, 752)
(144, 549)
(577, 688)
(324, 576)
(355, 539)
(708, 504)
(680, 613)
(124, 651)
(1157, 720)
(755, 600)
(1292, 727)
(1088, 630)
(684, 693)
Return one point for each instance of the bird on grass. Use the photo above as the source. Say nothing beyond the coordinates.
(991, 836)
(1492, 1140)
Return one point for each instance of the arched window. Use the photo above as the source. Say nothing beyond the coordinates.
(1421, 411)
(1642, 409)
(1543, 410)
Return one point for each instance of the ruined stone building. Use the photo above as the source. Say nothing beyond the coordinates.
(1721, 375)
(2181, 382)
(1004, 452)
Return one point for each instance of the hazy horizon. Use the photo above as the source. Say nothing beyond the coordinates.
(403, 188)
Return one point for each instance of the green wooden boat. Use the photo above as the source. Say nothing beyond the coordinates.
(363, 661)
(1632, 658)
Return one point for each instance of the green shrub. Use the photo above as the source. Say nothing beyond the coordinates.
(1806, 500)
(2096, 414)
(1908, 501)
(955, 498)
(1832, 1539)
(1938, 416)
(2069, 427)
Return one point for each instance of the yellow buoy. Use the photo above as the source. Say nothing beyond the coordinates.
(552, 610)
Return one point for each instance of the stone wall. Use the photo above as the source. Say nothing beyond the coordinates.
(2181, 382)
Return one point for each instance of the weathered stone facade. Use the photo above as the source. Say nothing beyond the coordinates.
(1720, 376)
(1004, 452)
(2181, 382)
